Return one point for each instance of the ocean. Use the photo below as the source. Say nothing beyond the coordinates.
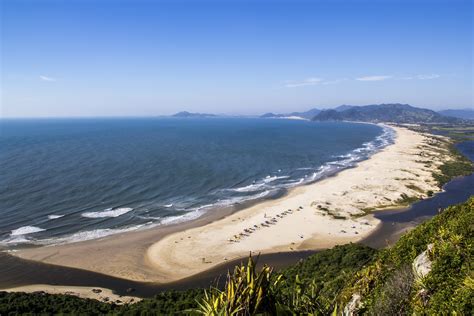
(67, 180)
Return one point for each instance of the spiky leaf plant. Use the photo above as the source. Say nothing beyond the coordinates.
(246, 292)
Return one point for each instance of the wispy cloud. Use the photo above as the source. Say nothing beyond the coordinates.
(334, 81)
(421, 77)
(373, 78)
(46, 78)
(306, 82)
(320, 81)
(312, 82)
(428, 77)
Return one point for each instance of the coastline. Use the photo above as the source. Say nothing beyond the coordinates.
(167, 254)
(313, 217)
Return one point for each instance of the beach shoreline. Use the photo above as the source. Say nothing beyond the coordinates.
(321, 215)
(167, 254)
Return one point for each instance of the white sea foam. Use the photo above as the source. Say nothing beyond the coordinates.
(15, 240)
(328, 168)
(249, 188)
(261, 184)
(25, 230)
(108, 213)
(269, 179)
(89, 234)
(53, 216)
(75, 237)
(182, 218)
(351, 158)
(240, 199)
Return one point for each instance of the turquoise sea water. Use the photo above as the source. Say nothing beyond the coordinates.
(65, 180)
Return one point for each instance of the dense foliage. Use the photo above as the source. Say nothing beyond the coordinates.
(325, 274)
(246, 292)
(41, 303)
(388, 286)
(459, 166)
(165, 303)
(309, 287)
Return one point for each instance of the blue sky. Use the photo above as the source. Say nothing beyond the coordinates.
(108, 58)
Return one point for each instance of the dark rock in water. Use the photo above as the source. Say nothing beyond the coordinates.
(97, 291)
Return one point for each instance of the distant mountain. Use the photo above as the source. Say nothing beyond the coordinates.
(305, 115)
(397, 113)
(188, 114)
(467, 114)
(343, 107)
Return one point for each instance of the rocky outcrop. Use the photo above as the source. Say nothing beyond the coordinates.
(353, 306)
(421, 267)
(422, 263)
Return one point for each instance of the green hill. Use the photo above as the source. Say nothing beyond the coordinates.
(445, 246)
(396, 113)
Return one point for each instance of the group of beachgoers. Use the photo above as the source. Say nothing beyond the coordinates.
(268, 221)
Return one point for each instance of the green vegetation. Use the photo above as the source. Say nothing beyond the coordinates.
(332, 213)
(40, 303)
(323, 275)
(165, 303)
(458, 132)
(309, 287)
(459, 166)
(322, 284)
(406, 199)
(387, 286)
(415, 188)
(396, 113)
(246, 292)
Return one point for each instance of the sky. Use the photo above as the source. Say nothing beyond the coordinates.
(145, 58)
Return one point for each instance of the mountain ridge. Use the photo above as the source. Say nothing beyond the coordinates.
(467, 113)
(391, 112)
(304, 115)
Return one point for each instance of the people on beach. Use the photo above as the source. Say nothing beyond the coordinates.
(266, 223)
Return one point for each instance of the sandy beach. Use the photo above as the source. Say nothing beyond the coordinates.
(321, 215)
(316, 216)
